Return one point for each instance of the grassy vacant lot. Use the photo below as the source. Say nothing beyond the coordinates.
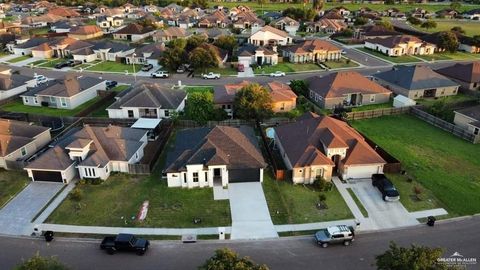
(198, 88)
(450, 56)
(441, 162)
(122, 196)
(11, 182)
(373, 107)
(19, 59)
(398, 59)
(424, 201)
(450, 100)
(471, 27)
(353, 7)
(291, 204)
(17, 106)
(109, 66)
(287, 67)
(343, 63)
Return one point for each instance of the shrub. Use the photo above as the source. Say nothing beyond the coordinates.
(76, 195)
(417, 190)
(322, 185)
(322, 197)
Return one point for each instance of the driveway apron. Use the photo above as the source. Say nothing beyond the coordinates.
(250, 215)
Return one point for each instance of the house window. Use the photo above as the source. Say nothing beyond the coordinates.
(282, 107)
(195, 177)
(223, 107)
(86, 172)
(167, 113)
(206, 177)
(229, 106)
(63, 102)
(25, 100)
(184, 178)
(23, 151)
(106, 169)
(93, 172)
(35, 100)
(136, 155)
(372, 98)
(53, 100)
(476, 131)
(130, 113)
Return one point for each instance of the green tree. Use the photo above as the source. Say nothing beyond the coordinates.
(227, 259)
(300, 87)
(200, 107)
(448, 40)
(415, 258)
(360, 21)
(261, 3)
(429, 24)
(455, 5)
(38, 262)
(414, 20)
(317, 5)
(173, 57)
(386, 24)
(199, 4)
(201, 59)
(180, 43)
(309, 14)
(195, 41)
(228, 43)
(253, 102)
(458, 29)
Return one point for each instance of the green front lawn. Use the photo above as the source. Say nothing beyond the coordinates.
(52, 62)
(471, 27)
(444, 164)
(120, 88)
(109, 66)
(223, 71)
(293, 204)
(343, 63)
(19, 59)
(358, 202)
(38, 63)
(11, 183)
(193, 89)
(17, 106)
(373, 107)
(287, 68)
(425, 199)
(450, 56)
(397, 59)
(119, 198)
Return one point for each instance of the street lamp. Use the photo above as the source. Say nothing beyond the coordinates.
(133, 63)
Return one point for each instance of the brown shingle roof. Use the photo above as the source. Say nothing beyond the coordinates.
(268, 28)
(16, 134)
(280, 91)
(308, 46)
(85, 30)
(394, 41)
(342, 83)
(465, 72)
(134, 29)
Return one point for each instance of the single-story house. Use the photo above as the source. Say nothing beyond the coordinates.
(321, 146)
(105, 51)
(473, 14)
(91, 152)
(19, 141)
(148, 100)
(400, 45)
(287, 24)
(269, 35)
(316, 50)
(170, 33)
(147, 54)
(348, 89)
(207, 157)
(42, 51)
(416, 82)
(84, 32)
(67, 93)
(26, 47)
(133, 32)
(109, 23)
(468, 118)
(249, 55)
(466, 74)
(13, 84)
(326, 26)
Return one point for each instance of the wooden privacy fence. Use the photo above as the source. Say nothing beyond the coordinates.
(449, 127)
(376, 113)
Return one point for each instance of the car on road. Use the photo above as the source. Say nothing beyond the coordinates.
(124, 242)
(344, 52)
(72, 63)
(277, 74)
(40, 79)
(211, 75)
(335, 234)
(160, 74)
(386, 187)
(181, 69)
(147, 67)
(111, 84)
(61, 65)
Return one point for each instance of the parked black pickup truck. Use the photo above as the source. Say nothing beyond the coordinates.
(124, 242)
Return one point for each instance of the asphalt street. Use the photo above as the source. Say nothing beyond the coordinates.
(285, 253)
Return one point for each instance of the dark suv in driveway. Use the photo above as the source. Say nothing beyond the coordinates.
(386, 187)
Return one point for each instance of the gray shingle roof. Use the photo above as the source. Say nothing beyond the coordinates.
(415, 78)
(16, 134)
(67, 87)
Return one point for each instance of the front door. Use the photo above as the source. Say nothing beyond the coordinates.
(217, 176)
(429, 93)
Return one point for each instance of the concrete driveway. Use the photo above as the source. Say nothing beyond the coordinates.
(250, 215)
(382, 214)
(16, 216)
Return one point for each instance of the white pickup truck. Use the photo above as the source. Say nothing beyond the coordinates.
(211, 75)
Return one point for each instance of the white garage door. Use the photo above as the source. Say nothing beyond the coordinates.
(362, 171)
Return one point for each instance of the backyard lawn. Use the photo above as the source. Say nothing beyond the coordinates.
(373, 107)
(442, 163)
(471, 27)
(450, 100)
(287, 67)
(450, 56)
(17, 106)
(291, 204)
(109, 66)
(19, 59)
(398, 59)
(117, 201)
(198, 88)
(101, 111)
(343, 63)
(11, 183)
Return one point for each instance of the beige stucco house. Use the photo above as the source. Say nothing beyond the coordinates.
(400, 45)
(466, 74)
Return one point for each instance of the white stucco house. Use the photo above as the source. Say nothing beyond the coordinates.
(269, 35)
